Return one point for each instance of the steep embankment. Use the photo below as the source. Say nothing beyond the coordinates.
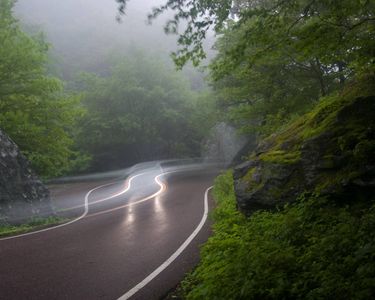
(308, 193)
(329, 152)
(22, 194)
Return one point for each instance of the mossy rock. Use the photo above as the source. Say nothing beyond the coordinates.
(329, 151)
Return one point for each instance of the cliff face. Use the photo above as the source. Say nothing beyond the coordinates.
(329, 151)
(22, 194)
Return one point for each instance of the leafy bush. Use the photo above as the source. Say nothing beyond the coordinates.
(309, 250)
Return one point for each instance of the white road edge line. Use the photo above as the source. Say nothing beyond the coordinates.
(163, 187)
(85, 211)
(165, 264)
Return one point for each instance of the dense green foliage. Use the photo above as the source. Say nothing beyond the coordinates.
(313, 249)
(34, 109)
(275, 58)
(333, 31)
(142, 111)
(281, 57)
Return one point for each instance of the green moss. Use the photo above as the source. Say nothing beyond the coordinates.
(349, 146)
(322, 117)
(249, 180)
(281, 156)
(249, 175)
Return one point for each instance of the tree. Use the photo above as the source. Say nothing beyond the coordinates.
(34, 109)
(336, 32)
(275, 58)
(267, 93)
(142, 111)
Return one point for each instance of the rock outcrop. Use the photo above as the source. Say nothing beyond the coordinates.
(22, 194)
(330, 152)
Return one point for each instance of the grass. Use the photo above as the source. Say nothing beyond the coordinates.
(33, 225)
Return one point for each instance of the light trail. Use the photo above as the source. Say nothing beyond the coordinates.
(86, 205)
(163, 187)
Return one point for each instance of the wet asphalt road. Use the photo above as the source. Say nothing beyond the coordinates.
(115, 246)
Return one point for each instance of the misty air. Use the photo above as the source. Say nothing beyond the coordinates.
(175, 149)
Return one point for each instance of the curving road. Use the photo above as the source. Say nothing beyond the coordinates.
(129, 239)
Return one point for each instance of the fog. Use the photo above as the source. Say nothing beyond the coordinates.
(122, 100)
(84, 34)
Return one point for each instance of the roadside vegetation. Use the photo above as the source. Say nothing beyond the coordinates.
(312, 249)
(32, 225)
(300, 75)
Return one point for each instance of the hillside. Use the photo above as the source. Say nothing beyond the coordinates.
(306, 196)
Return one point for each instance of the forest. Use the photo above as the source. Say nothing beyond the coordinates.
(147, 110)
(296, 219)
(132, 107)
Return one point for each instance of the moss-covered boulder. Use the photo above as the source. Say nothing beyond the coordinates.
(329, 151)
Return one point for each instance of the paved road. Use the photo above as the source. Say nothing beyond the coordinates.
(116, 245)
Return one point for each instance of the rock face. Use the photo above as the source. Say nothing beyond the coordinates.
(330, 151)
(22, 194)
